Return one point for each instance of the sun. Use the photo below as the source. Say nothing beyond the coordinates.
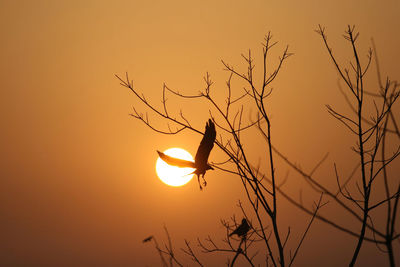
(171, 175)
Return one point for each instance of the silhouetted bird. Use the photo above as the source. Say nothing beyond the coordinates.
(242, 229)
(147, 239)
(200, 161)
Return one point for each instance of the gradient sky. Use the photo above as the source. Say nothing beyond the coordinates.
(77, 174)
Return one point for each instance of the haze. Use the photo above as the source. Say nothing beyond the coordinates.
(77, 173)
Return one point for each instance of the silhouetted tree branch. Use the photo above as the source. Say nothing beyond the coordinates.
(166, 251)
(369, 139)
(261, 192)
(261, 187)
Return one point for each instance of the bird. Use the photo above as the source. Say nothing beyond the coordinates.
(200, 163)
(242, 229)
(148, 239)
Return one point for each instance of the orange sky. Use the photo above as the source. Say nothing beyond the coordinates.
(77, 179)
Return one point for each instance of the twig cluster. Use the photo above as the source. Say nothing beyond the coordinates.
(261, 189)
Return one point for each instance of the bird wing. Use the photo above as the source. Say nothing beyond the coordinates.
(242, 229)
(206, 144)
(176, 162)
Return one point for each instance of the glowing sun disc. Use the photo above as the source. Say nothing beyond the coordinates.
(172, 175)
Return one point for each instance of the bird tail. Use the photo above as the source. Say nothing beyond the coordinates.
(194, 172)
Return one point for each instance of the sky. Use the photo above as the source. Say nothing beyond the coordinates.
(77, 174)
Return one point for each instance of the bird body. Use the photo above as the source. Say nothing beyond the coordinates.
(200, 163)
(148, 239)
(242, 229)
